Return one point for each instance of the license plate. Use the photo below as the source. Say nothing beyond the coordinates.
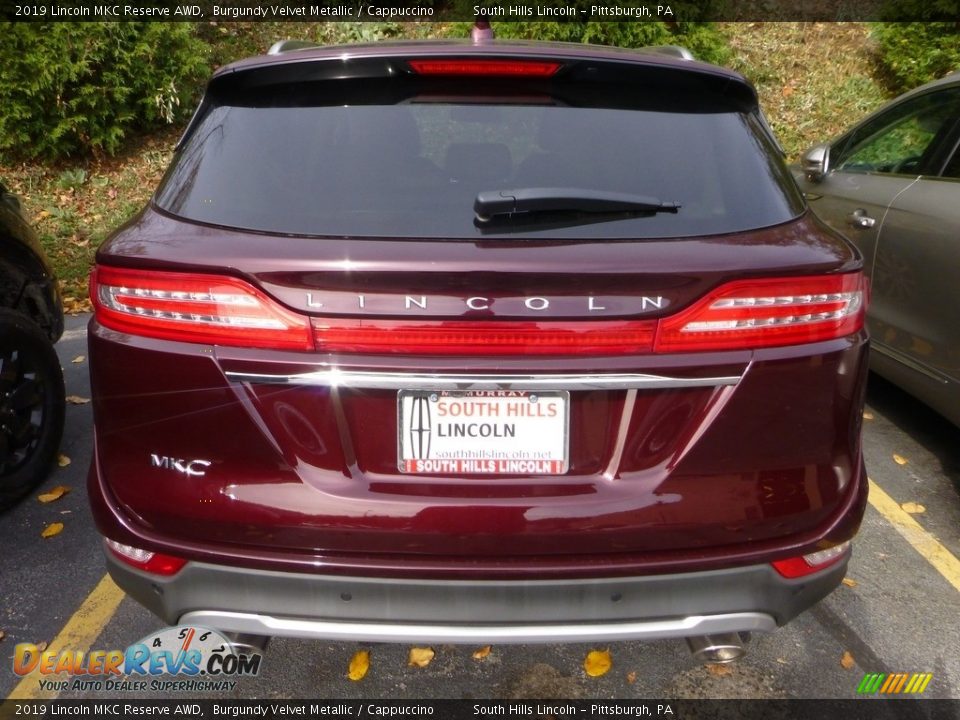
(483, 432)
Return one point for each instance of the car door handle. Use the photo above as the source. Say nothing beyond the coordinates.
(860, 219)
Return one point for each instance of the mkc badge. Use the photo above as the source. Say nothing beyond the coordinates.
(192, 468)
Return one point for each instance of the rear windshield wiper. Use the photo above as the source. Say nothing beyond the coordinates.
(525, 203)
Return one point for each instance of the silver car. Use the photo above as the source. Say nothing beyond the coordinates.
(892, 185)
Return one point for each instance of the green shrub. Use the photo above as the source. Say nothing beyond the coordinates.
(76, 88)
(911, 54)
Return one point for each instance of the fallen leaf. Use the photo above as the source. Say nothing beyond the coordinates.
(867, 415)
(900, 459)
(482, 652)
(782, 661)
(51, 530)
(787, 91)
(359, 664)
(79, 358)
(913, 508)
(719, 670)
(847, 660)
(632, 677)
(55, 494)
(2, 634)
(849, 582)
(63, 460)
(597, 663)
(77, 306)
(420, 657)
(77, 400)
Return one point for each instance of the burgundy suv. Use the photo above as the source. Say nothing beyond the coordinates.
(478, 342)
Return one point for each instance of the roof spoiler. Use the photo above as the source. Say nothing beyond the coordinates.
(285, 46)
(481, 33)
(676, 51)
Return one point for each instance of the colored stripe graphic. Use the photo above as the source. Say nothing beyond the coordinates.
(894, 683)
(866, 683)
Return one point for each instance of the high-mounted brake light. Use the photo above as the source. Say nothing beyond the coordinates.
(146, 560)
(193, 307)
(482, 337)
(494, 68)
(768, 312)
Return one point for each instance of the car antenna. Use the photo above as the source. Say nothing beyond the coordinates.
(481, 32)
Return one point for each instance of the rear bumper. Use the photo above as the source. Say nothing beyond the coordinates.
(263, 602)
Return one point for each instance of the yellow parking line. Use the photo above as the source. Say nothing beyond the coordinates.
(923, 542)
(78, 634)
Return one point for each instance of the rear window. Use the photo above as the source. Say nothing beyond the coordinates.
(302, 161)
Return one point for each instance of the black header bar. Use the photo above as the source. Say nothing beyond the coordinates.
(582, 11)
(124, 708)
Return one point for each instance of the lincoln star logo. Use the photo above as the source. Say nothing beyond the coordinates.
(420, 428)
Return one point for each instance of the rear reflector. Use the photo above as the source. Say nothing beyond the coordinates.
(485, 337)
(496, 68)
(796, 567)
(764, 313)
(151, 562)
(194, 308)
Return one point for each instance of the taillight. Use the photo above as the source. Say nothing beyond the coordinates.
(194, 308)
(221, 310)
(494, 68)
(748, 314)
(482, 337)
(796, 567)
(146, 560)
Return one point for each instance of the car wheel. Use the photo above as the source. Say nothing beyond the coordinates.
(31, 406)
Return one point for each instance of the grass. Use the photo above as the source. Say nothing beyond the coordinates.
(74, 207)
(814, 80)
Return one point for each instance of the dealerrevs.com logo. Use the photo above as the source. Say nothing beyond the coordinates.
(199, 658)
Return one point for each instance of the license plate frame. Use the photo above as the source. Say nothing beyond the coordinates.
(430, 443)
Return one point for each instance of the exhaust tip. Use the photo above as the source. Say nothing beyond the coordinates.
(248, 644)
(716, 649)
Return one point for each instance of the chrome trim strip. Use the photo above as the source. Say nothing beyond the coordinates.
(257, 624)
(622, 431)
(904, 359)
(362, 379)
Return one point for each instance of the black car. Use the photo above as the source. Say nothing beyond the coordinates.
(31, 380)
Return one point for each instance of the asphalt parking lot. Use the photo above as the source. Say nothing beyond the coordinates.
(898, 610)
